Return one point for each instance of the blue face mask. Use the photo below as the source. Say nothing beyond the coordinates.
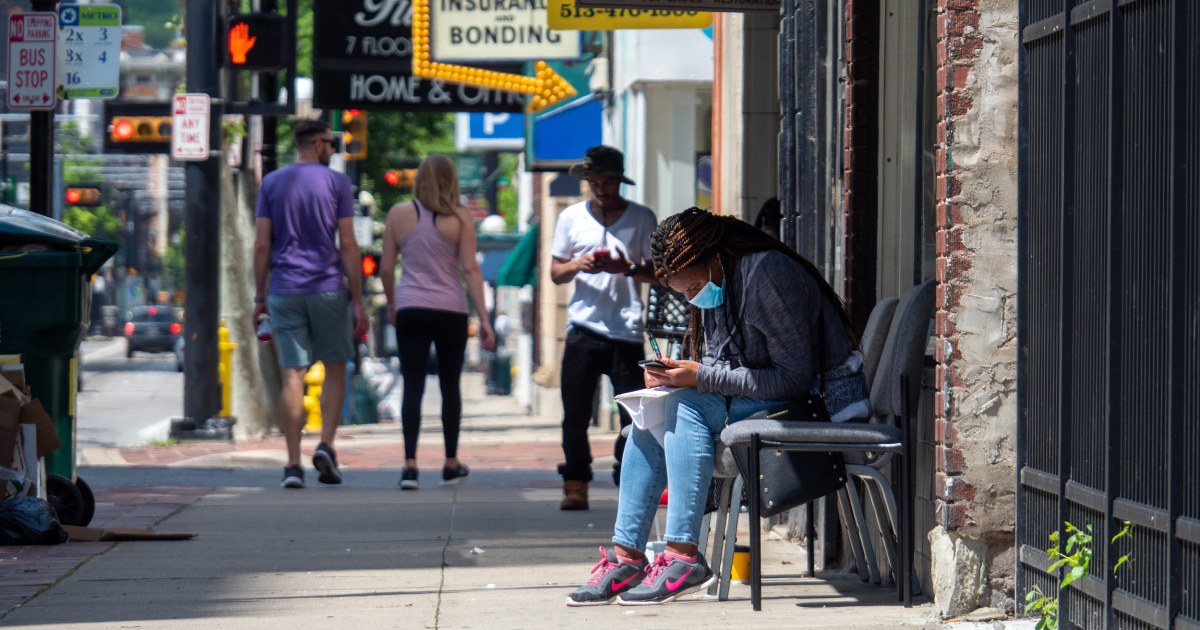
(711, 296)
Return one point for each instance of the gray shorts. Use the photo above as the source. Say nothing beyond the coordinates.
(312, 327)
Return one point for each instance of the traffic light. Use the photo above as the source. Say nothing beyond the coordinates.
(84, 195)
(140, 129)
(256, 41)
(401, 177)
(354, 134)
(370, 265)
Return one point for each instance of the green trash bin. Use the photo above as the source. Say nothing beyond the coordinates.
(45, 298)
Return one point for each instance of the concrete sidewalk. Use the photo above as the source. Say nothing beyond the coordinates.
(495, 552)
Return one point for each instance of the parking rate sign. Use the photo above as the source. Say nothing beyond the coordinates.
(89, 51)
(189, 127)
(31, 60)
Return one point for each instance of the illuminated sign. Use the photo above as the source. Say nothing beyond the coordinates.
(545, 88)
(473, 30)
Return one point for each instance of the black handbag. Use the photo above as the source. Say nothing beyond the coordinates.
(793, 478)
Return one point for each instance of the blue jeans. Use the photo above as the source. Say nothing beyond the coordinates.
(684, 463)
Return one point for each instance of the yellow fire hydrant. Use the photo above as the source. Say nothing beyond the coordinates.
(225, 349)
(312, 397)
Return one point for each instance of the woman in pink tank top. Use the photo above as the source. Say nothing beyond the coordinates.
(435, 238)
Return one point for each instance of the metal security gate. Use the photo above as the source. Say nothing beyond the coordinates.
(810, 149)
(1109, 424)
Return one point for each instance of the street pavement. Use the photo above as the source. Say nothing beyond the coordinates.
(494, 552)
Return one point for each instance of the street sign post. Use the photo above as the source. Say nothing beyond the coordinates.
(189, 128)
(89, 51)
(31, 38)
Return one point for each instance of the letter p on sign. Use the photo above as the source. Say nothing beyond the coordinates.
(491, 121)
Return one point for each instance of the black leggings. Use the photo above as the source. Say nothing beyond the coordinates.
(416, 328)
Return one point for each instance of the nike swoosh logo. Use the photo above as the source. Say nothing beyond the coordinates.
(673, 585)
(616, 586)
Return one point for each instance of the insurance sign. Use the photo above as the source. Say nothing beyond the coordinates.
(474, 30)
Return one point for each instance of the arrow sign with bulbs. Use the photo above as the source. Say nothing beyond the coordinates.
(545, 88)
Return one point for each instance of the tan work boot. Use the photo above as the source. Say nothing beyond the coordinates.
(574, 496)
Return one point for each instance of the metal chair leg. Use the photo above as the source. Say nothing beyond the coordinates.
(845, 513)
(870, 570)
(735, 511)
(755, 526)
(810, 532)
(906, 495)
(716, 554)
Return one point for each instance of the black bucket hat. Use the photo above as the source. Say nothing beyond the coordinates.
(601, 160)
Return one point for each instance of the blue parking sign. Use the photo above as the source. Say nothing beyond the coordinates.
(494, 131)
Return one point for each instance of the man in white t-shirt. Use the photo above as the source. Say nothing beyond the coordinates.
(604, 246)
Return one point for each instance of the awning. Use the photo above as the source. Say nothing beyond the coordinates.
(520, 267)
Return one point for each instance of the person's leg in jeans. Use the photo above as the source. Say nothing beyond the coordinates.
(412, 343)
(643, 478)
(450, 342)
(693, 423)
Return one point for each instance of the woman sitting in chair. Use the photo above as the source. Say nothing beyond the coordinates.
(767, 330)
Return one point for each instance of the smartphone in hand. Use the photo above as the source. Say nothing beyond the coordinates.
(652, 362)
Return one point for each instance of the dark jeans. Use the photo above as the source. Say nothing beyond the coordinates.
(588, 355)
(416, 328)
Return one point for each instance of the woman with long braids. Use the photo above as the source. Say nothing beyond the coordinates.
(765, 329)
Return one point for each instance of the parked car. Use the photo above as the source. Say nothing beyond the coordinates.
(152, 329)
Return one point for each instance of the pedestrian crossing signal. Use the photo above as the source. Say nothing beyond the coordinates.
(256, 41)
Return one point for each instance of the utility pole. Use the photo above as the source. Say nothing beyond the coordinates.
(41, 147)
(268, 85)
(201, 389)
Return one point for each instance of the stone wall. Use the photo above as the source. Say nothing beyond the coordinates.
(976, 326)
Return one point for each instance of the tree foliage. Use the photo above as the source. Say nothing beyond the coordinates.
(159, 18)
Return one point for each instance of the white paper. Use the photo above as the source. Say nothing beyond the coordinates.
(647, 409)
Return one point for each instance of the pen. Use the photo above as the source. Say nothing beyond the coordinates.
(654, 346)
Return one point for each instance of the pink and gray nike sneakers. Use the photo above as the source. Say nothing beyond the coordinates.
(610, 578)
(668, 579)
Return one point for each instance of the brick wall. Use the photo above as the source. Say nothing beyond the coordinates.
(958, 45)
(861, 146)
(975, 326)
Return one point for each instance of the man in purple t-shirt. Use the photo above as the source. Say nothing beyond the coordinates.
(304, 238)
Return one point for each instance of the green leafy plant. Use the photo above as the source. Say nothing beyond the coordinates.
(1076, 555)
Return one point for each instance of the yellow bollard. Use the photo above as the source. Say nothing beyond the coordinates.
(312, 398)
(225, 350)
